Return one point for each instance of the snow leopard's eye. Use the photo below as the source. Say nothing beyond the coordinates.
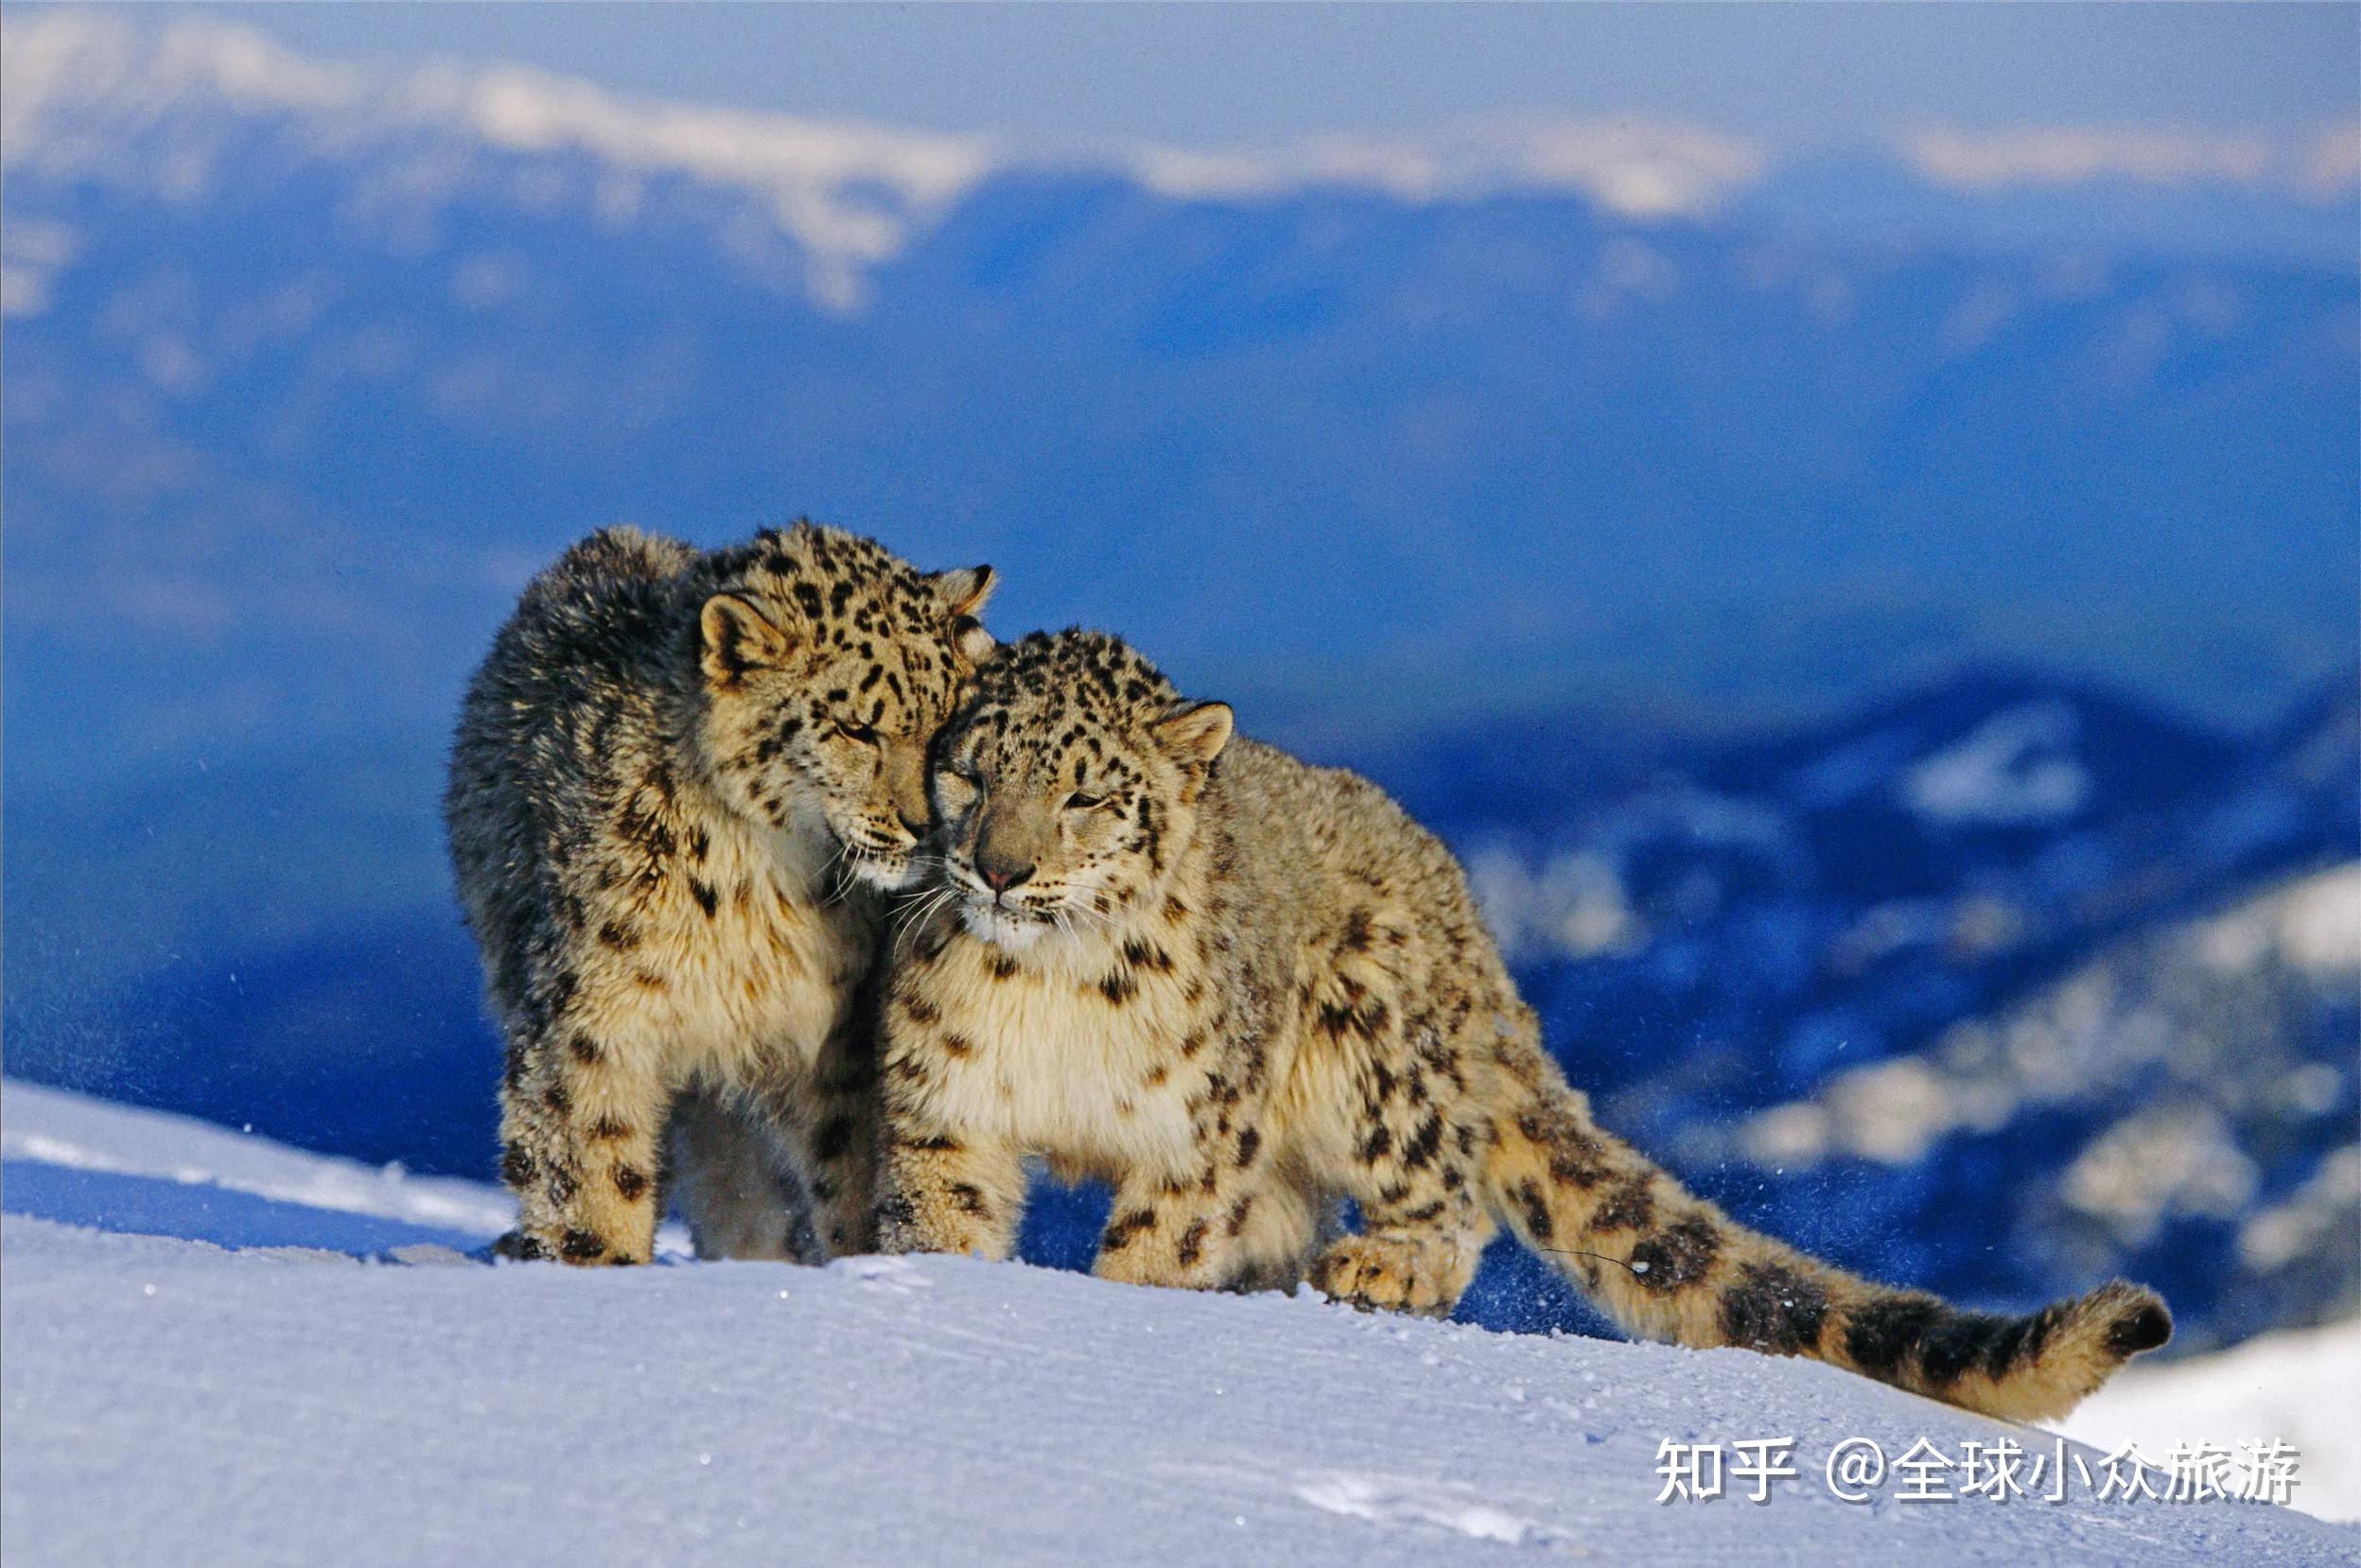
(1080, 802)
(860, 735)
(957, 782)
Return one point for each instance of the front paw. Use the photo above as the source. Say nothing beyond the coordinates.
(518, 1247)
(930, 1222)
(584, 1248)
(895, 1225)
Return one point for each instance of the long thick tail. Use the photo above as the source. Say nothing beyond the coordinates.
(1667, 1265)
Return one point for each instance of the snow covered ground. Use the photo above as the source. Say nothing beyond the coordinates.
(2299, 1386)
(219, 1350)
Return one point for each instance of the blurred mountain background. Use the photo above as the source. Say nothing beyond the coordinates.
(1880, 617)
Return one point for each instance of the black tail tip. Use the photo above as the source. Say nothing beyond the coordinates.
(2142, 1326)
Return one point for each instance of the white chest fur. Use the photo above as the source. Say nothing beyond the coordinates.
(1043, 1060)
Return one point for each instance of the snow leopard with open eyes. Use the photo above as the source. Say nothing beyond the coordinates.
(1242, 990)
(682, 785)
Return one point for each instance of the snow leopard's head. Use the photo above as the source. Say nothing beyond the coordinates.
(827, 665)
(1067, 786)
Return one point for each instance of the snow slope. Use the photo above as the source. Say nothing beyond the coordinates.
(215, 1354)
(2297, 1384)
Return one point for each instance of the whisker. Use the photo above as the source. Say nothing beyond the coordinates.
(917, 916)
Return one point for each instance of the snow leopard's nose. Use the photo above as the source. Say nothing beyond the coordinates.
(1001, 875)
(915, 827)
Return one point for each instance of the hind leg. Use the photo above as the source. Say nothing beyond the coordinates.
(1406, 1260)
(1417, 1159)
(734, 1183)
(825, 1119)
(1423, 1229)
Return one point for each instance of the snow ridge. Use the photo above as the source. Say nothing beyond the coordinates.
(175, 1401)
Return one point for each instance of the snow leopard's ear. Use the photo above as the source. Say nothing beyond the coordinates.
(963, 592)
(964, 589)
(738, 637)
(1195, 732)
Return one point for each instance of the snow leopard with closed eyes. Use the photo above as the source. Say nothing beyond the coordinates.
(1242, 990)
(682, 785)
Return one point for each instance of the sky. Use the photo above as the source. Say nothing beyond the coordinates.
(1057, 77)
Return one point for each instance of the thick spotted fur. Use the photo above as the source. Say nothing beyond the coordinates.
(682, 785)
(1242, 990)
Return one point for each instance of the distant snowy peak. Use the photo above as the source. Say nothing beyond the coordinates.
(1636, 168)
(1988, 751)
(1644, 169)
(167, 110)
(174, 111)
(2017, 768)
(68, 72)
(2322, 167)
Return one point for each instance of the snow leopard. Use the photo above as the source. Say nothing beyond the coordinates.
(682, 786)
(1243, 990)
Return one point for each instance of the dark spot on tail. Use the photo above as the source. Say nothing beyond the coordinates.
(1192, 1245)
(1774, 1309)
(2022, 1341)
(1678, 1256)
(969, 1199)
(1959, 1340)
(1888, 1329)
(2144, 1328)
(631, 1181)
(1577, 1159)
(1632, 1205)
